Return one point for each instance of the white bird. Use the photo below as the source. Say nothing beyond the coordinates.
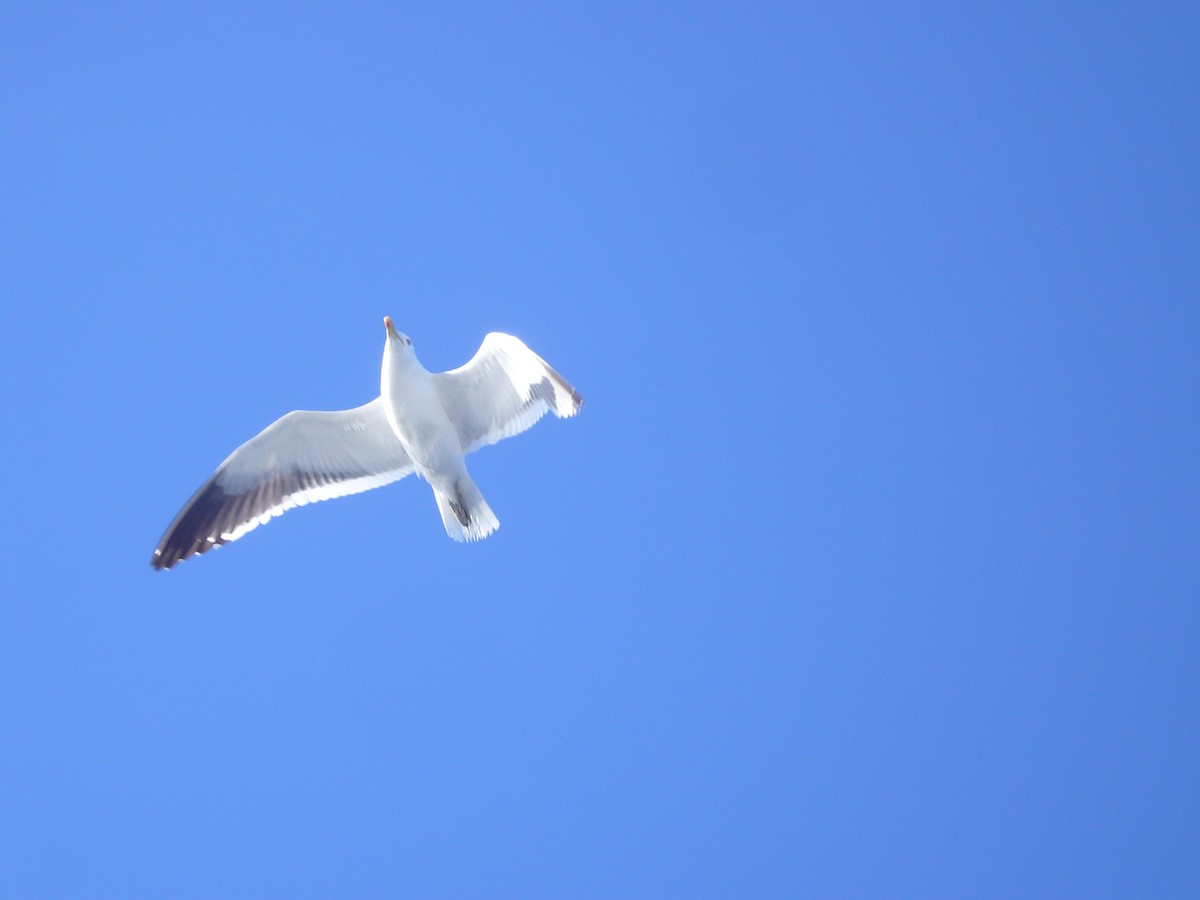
(422, 422)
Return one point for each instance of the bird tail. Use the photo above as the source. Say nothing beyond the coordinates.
(465, 513)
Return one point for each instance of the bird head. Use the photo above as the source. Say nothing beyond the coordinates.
(393, 334)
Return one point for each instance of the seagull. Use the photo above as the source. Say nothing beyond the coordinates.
(422, 422)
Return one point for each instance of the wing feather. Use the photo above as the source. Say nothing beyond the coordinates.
(300, 458)
(502, 391)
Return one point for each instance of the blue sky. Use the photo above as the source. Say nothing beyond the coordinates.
(868, 569)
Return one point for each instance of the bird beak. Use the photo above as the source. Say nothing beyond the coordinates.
(389, 327)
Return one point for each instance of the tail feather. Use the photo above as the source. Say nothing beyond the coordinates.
(465, 514)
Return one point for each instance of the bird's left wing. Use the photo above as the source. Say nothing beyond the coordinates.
(301, 458)
(503, 390)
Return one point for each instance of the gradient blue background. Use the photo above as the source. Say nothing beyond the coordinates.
(869, 568)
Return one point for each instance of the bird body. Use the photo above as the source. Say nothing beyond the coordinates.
(421, 422)
(416, 412)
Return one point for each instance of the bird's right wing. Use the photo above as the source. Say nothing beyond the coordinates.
(301, 458)
(503, 390)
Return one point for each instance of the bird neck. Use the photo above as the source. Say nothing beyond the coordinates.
(399, 366)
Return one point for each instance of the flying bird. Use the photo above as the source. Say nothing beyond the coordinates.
(421, 422)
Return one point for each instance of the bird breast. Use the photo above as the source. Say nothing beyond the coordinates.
(415, 412)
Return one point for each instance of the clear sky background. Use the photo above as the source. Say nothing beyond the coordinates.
(869, 568)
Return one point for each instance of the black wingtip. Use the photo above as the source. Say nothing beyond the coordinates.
(576, 397)
(194, 530)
